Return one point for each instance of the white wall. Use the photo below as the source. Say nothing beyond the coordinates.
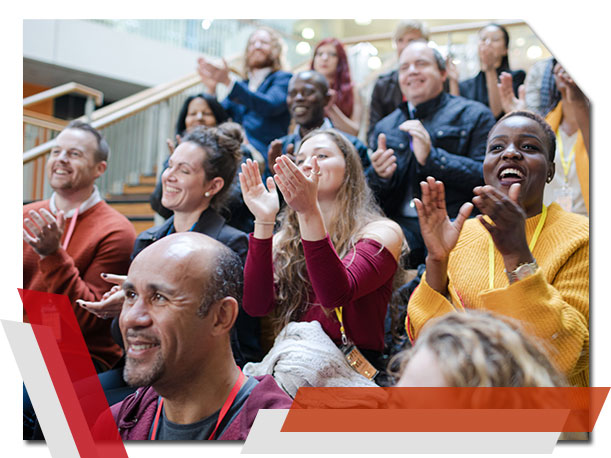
(94, 48)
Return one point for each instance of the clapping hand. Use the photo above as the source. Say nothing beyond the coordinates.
(508, 222)
(421, 140)
(299, 188)
(509, 101)
(383, 160)
(262, 202)
(45, 231)
(112, 301)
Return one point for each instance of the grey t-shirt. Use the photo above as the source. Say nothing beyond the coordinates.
(201, 430)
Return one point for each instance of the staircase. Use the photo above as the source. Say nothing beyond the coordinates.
(134, 203)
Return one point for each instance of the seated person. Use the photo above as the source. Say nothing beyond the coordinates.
(204, 110)
(433, 133)
(334, 250)
(181, 300)
(345, 108)
(492, 50)
(258, 102)
(475, 348)
(386, 95)
(307, 98)
(73, 237)
(568, 116)
(519, 258)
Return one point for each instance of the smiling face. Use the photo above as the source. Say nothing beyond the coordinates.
(419, 76)
(307, 98)
(260, 50)
(184, 182)
(518, 152)
(326, 60)
(71, 165)
(165, 339)
(199, 114)
(331, 161)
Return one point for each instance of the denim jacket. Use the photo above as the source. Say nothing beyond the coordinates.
(458, 129)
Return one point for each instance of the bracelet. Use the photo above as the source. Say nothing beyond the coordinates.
(265, 223)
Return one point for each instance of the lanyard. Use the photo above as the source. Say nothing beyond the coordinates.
(70, 230)
(566, 163)
(228, 402)
(531, 246)
(338, 312)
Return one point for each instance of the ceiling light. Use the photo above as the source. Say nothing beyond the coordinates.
(303, 48)
(308, 33)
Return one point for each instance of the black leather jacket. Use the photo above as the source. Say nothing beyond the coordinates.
(458, 128)
(385, 99)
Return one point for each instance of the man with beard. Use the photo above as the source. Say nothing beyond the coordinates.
(72, 238)
(259, 102)
(181, 300)
(308, 94)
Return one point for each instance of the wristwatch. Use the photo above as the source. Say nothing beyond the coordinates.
(522, 271)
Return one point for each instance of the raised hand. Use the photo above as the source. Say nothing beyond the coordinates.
(509, 101)
(486, 57)
(112, 301)
(212, 74)
(421, 140)
(275, 151)
(45, 231)
(262, 202)
(508, 222)
(300, 189)
(439, 233)
(170, 144)
(383, 160)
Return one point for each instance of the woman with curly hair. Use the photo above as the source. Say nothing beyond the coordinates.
(334, 256)
(345, 108)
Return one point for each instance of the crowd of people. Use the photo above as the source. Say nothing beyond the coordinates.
(475, 193)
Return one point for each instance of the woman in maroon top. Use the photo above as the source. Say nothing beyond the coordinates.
(334, 248)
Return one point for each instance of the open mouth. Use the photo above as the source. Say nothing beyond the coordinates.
(171, 189)
(510, 175)
(61, 172)
(141, 348)
(301, 110)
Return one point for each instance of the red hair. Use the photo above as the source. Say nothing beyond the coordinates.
(342, 86)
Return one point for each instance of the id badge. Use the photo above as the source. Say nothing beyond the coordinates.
(358, 362)
(564, 197)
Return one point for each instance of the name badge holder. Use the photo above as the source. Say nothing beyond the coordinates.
(356, 360)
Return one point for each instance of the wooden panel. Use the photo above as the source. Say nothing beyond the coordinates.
(138, 189)
(133, 209)
(45, 107)
(142, 225)
(148, 180)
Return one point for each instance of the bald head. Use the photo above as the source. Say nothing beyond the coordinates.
(307, 97)
(193, 260)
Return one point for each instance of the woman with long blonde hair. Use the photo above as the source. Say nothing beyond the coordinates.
(334, 256)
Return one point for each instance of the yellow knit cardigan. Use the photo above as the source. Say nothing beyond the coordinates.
(553, 304)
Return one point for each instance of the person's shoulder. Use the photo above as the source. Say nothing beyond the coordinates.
(268, 395)
(570, 224)
(386, 232)
(384, 78)
(392, 119)
(113, 218)
(281, 74)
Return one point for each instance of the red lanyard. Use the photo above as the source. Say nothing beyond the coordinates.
(70, 230)
(228, 402)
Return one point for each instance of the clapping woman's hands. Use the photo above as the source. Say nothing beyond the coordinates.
(262, 202)
(299, 188)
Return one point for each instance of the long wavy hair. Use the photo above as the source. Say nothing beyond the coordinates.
(356, 208)
(343, 83)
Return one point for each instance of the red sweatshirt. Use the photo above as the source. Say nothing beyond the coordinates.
(102, 241)
(361, 282)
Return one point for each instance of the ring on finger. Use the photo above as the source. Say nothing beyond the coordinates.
(319, 173)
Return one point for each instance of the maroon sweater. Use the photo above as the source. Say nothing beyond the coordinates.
(102, 241)
(134, 415)
(361, 282)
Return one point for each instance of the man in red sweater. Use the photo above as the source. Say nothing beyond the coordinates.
(72, 238)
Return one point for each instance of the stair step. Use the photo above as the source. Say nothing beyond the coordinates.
(138, 189)
(126, 198)
(133, 208)
(148, 179)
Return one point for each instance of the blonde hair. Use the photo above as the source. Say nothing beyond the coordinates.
(356, 210)
(478, 348)
(278, 50)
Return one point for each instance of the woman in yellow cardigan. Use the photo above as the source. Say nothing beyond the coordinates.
(518, 258)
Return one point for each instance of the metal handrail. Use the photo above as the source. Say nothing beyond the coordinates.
(67, 88)
(125, 108)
